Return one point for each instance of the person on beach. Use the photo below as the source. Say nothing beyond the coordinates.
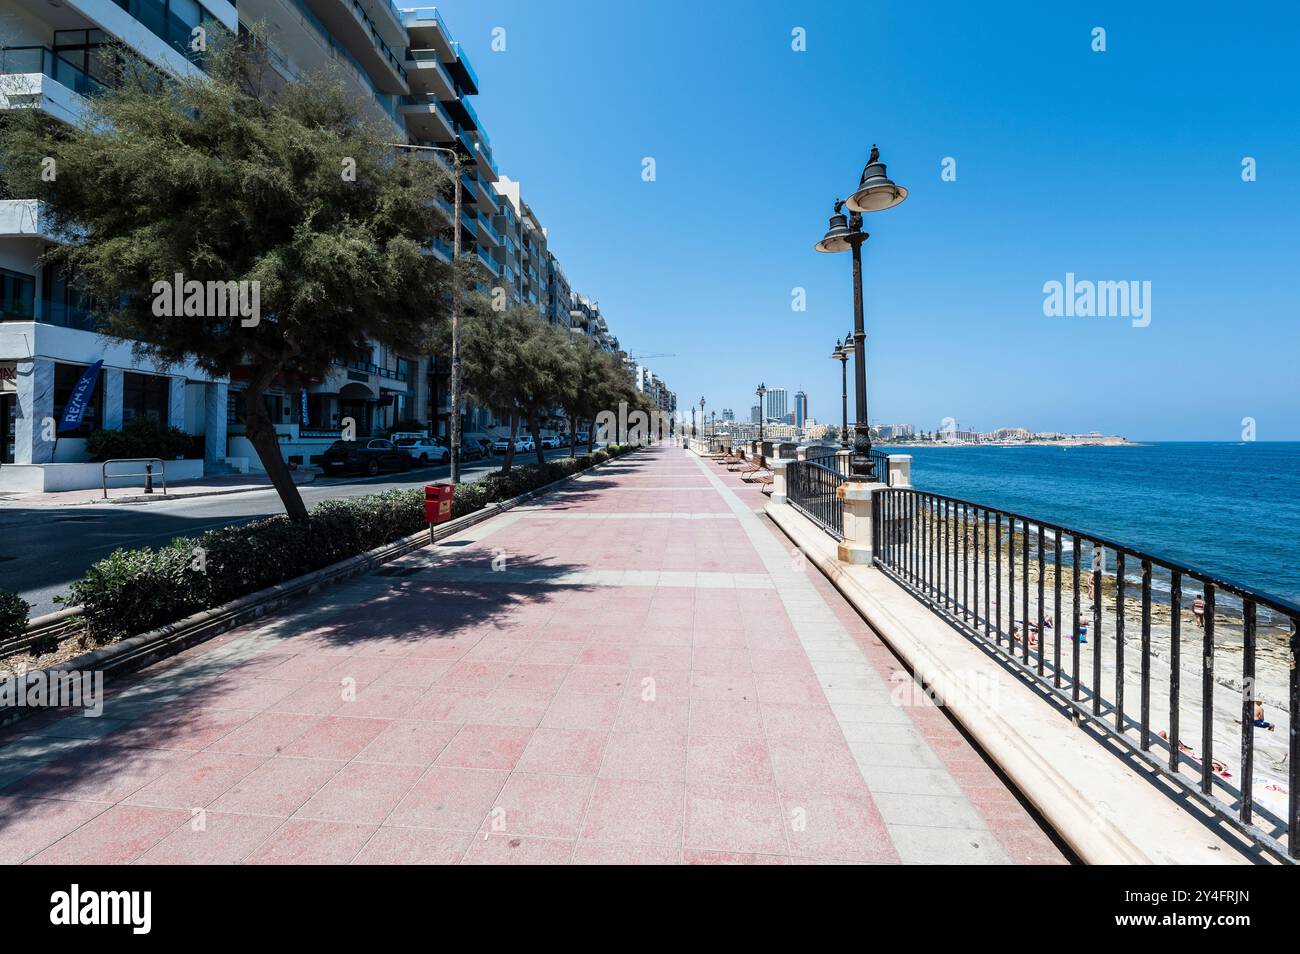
(1092, 588)
(1259, 717)
(1198, 610)
(1080, 629)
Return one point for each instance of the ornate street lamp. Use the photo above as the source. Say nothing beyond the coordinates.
(876, 192)
(761, 392)
(841, 354)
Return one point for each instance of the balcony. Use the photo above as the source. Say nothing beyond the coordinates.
(426, 74)
(368, 367)
(427, 29)
(464, 74)
(427, 118)
(486, 259)
(485, 230)
(356, 32)
(43, 60)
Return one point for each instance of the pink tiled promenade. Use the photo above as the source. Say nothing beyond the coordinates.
(635, 670)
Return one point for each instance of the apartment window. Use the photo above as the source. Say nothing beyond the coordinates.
(62, 303)
(90, 51)
(66, 377)
(17, 295)
(145, 395)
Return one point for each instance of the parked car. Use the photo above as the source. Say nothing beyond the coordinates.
(552, 441)
(583, 438)
(475, 440)
(500, 445)
(425, 450)
(471, 450)
(369, 457)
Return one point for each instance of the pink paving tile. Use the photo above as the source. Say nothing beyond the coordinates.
(197, 781)
(650, 659)
(606, 654)
(279, 786)
(449, 704)
(806, 765)
(535, 676)
(304, 667)
(517, 707)
(213, 838)
(588, 853)
(468, 674)
(780, 661)
(727, 759)
(693, 856)
(189, 729)
(234, 692)
(793, 688)
(409, 743)
(363, 793)
(265, 734)
(383, 702)
(414, 846)
(315, 698)
(446, 797)
(552, 653)
(786, 721)
(726, 686)
(117, 836)
(592, 712)
(486, 747)
(98, 773)
(661, 716)
(738, 719)
(655, 757)
(306, 842)
(738, 818)
(563, 751)
(29, 824)
(506, 849)
(421, 673)
(606, 679)
(641, 812)
(336, 737)
(548, 806)
(837, 827)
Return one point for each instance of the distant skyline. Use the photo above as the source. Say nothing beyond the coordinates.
(1072, 166)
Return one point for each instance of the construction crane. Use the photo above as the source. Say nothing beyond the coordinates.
(640, 357)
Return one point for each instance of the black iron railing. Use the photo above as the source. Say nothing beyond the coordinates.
(1124, 626)
(880, 460)
(812, 489)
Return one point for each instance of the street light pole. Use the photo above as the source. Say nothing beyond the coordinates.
(841, 354)
(876, 192)
(453, 436)
(761, 392)
(702, 422)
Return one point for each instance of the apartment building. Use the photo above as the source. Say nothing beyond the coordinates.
(800, 408)
(53, 56)
(777, 405)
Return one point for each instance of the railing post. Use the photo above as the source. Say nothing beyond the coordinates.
(842, 458)
(856, 508)
(778, 466)
(900, 471)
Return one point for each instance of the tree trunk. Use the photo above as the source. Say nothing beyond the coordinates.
(591, 438)
(510, 446)
(261, 434)
(573, 436)
(534, 427)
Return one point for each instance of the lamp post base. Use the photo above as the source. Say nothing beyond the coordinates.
(855, 502)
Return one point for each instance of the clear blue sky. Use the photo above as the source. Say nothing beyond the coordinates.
(1122, 165)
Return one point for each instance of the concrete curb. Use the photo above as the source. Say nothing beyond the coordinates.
(135, 652)
(1102, 808)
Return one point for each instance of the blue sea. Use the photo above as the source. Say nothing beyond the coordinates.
(1231, 509)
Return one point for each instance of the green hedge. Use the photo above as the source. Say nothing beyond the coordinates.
(141, 437)
(134, 591)
(13, 615)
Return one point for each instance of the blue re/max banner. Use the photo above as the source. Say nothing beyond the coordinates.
(75, 409)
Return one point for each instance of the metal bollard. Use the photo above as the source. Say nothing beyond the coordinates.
(148, 478)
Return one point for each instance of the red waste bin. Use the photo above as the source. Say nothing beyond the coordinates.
(437, 502)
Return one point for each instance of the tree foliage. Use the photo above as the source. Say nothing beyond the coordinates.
(238, 176)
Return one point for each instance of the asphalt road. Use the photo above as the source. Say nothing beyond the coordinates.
(43, 549)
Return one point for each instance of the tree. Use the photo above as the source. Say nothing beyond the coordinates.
(583, 392)
(237, 176)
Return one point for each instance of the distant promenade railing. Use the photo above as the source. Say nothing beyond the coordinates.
(998, 577)
(812, 489)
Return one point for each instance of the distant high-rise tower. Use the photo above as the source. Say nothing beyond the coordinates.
(755, 414)
(800, 408)
(728, 414)
(776, 404)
